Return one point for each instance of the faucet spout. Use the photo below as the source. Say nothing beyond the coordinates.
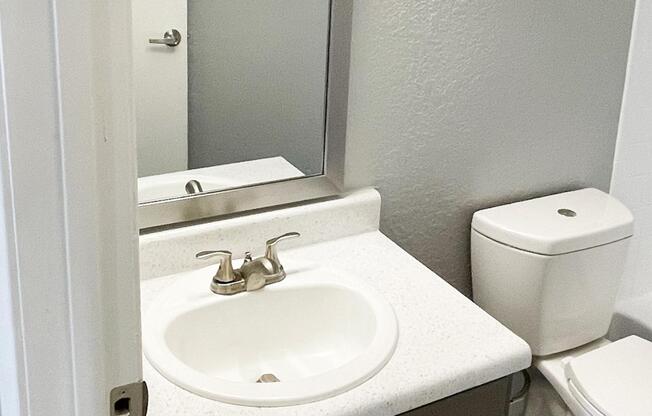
(193, 187)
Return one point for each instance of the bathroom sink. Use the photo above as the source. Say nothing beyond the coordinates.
(314, 335)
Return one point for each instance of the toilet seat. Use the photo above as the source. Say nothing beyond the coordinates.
(613, 380)
(587, 408)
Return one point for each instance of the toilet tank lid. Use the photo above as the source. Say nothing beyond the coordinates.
(557, 224)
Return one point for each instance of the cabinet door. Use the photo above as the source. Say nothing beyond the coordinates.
(491, 399)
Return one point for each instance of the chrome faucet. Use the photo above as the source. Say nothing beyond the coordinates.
(193, 187)
(254, 274)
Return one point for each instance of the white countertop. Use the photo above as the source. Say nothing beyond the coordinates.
(446, 343)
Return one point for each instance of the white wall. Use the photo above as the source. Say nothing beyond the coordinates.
(12, 377)
(632, 173)
(160, 86)
(458, 106)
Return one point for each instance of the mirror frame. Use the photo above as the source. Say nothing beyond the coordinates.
(230, 201)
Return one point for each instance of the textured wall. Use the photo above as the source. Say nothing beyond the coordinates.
(257, 75)
(632, 176)
(460, 105)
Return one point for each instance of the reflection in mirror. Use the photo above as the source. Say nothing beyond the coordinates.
(228, 93)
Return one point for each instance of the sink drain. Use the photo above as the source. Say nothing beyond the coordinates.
(267, 378)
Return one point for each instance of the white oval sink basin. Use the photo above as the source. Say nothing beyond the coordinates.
(318, 332)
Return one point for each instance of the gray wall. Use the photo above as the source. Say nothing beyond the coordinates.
(456, 106)
(257, 74)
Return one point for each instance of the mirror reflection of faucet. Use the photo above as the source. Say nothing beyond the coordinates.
(254, 274)
(193, 187)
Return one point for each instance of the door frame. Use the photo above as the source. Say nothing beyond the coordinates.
(69, 284)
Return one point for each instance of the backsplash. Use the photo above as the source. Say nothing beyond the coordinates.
(173, 251)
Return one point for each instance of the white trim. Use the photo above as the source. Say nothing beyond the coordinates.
(625, 97)
(68, 235)
(12, 365)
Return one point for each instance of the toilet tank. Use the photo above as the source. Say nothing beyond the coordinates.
(549, 268)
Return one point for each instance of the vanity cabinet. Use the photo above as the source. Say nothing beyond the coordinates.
(491, 399)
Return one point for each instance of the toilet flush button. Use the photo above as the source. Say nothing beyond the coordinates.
(566, 212)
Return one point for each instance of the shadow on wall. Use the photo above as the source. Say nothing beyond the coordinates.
(453, 230)
(623, 325)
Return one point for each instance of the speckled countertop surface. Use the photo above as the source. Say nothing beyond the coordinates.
(446, 343)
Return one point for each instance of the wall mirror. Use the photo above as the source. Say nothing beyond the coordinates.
(231, 95)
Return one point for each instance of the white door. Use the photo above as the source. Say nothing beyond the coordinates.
(69, 287)
(160, 86)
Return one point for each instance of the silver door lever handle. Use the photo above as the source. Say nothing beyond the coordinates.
(171, 38)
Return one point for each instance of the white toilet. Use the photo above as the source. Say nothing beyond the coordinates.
(549, 269)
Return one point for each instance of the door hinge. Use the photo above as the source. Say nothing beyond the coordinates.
(129, 400)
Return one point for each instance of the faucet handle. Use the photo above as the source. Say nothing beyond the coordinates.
(225, 273)
(272, 253)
